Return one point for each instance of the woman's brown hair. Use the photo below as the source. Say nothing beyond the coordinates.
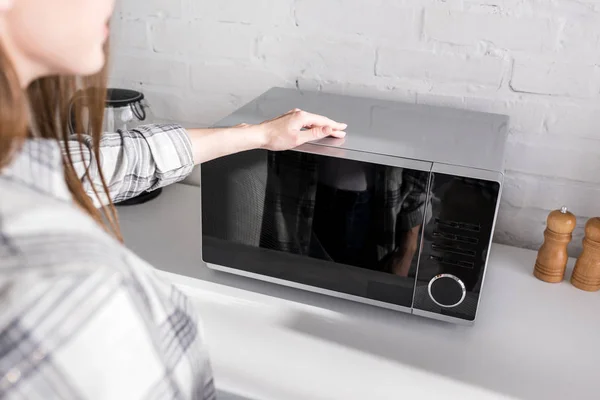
(46, 110)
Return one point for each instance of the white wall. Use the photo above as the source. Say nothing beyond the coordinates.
(535, 60)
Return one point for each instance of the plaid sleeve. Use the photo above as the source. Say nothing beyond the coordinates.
(97, 335)
(135, 161)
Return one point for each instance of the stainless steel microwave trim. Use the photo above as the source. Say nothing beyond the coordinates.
(310, 288)
(450, 276)
(421, 239)
(487, 258)
(444, 318)
(314, 289)
(373, 158)
(468, 172)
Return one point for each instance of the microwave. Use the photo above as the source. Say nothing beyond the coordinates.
(399, 214)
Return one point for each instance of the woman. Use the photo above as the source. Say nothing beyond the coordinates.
(80, 315)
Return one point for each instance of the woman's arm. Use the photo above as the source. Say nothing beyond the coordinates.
(153, 156)
(211, 143)
(283, 133)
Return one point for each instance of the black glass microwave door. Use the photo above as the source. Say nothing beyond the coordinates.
(347, 226)
(456, 242)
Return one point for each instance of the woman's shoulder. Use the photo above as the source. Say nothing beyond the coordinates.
(63, 279)
(45, 229)
(52, 240)
(40, 233)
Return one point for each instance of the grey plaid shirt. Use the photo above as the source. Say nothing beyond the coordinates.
(81, 317)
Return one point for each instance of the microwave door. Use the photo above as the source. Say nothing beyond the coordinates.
(343, 226)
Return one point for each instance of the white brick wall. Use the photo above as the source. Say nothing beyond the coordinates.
(428, 66)
(512, 32)
(535, 60)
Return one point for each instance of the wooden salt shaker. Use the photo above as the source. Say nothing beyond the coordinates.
(586, 275)
(552, 257)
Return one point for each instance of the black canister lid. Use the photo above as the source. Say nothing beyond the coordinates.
(122, 97)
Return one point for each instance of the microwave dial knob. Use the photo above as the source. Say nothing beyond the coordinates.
(446, 290)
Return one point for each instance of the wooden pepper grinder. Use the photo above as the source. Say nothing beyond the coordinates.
(586, 275)
(552, 257)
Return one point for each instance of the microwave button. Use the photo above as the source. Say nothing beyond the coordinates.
(453, 249)
(446, 290)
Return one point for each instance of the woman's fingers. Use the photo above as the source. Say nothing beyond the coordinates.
(306, 119)
(319, 127)
(338, 134)
(319, 132)
(334, 133)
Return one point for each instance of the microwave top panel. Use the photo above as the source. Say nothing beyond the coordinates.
(420, 132)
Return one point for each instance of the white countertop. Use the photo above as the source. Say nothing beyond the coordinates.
(531, 340)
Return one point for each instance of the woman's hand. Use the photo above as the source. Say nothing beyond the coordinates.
(297, 127)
